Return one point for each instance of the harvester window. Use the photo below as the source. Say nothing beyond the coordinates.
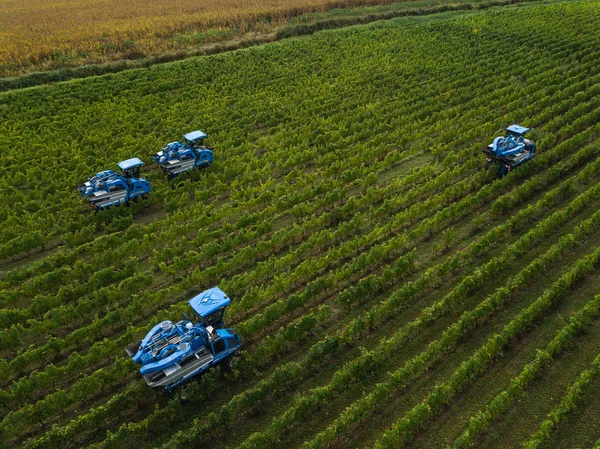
(215, 318)
(132, 172)
(191, 313)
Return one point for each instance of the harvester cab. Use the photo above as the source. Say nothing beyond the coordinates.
(195, 139)
(209, 307)
(178, 157)
(510, 151)
(108, 188)
(172, 353)
(130, 169)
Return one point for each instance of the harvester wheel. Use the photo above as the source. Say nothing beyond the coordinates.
(183, 399)
(502, 170)
(226, 365)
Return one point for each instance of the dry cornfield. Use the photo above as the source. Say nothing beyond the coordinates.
(38, 32)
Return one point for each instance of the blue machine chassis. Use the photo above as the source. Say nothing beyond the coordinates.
(510, 151)
(195, 364)
(507, 163)
(172, 353)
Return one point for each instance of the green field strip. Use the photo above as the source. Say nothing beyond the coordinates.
(418, 387)
(505, 385)
(509, 364)
(580, 430)
(577, 393)
(361, 407)
(428, 317)
(336, 16)
(404, 429)
(366, 427)
(310, 426)
(525, 416)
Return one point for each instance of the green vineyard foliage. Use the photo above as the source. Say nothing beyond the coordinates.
(378, 272)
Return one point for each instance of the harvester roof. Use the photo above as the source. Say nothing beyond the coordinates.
(130, 163)
(517, 129)
(209, 301)
(195, 135)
